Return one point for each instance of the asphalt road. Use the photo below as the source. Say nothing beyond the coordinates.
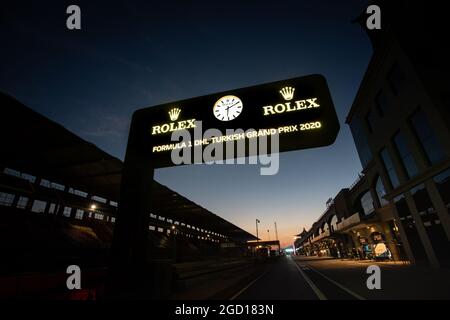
(288, 279)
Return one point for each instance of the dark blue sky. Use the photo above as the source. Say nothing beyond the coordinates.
(142, 53)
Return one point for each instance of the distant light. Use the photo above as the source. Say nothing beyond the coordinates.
(173, 227)
(93, 207)
(289, 250)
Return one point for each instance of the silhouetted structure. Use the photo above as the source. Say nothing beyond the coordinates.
(59, 197)
(400, 124)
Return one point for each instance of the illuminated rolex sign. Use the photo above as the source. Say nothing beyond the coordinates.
(299, 111)
(295, 114)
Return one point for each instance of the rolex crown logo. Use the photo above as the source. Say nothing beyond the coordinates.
(287, 93)
(174, 114)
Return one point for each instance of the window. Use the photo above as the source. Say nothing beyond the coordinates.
(17, 174)
(389, 166)
(22, 203)
(79, 214)
(333, 223)
(405, 155)
(360, 137)
(382, 103)
(381, 192)
(78, 192)
(57, 186)
(427, 137)
(113, 203)
(367, 203)
(38, 206)
(442, 181)
(12, 172)
(113, 219)
(409, 225)
(396, 79)
(432, 224)
(6, 199)
(98, 216)
(28, 177)
(99, 199)
(151, 228)
(372, 119)
(52, 208)
(45, 183)
(67, 211)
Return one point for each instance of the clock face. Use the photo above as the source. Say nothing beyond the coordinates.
(228, 108)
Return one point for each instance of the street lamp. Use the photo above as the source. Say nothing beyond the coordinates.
(93, 208)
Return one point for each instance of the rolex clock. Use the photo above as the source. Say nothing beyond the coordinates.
(227, 108)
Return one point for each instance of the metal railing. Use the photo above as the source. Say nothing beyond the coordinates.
(360, 177)
(350, 221)
(321, 236)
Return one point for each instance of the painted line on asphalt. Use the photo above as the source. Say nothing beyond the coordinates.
(314, 288)
(350, 292)
(247, 286)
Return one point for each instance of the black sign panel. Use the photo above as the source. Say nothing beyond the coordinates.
(299, 111)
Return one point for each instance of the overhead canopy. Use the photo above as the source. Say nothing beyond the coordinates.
(33, 144)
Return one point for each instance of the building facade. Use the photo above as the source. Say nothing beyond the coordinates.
(352, 227)
(399, 207)
(400, 125)
(60, 193)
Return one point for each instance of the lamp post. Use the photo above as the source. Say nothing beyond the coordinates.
(174, 233)
(257, 238)
(276, 237)
(276, 231)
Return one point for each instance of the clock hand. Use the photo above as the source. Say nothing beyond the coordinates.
(229, 107)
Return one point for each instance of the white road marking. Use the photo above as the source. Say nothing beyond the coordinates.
(316, 290)
(357, 296)
(247, 286)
